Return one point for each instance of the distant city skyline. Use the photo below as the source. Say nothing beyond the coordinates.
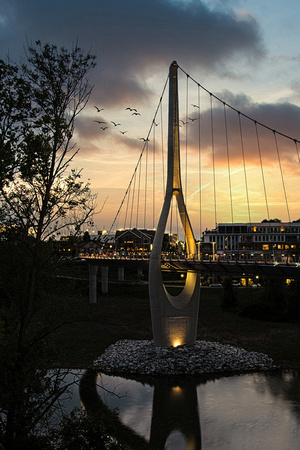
(246, 52)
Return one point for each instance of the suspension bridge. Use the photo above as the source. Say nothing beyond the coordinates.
(210, 162)
(234, 168)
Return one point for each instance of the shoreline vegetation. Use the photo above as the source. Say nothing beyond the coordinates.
(124, 313)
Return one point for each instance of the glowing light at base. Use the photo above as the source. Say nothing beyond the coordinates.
(176, 390)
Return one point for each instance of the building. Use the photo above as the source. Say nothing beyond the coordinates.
(132, 240)
(266, 240)
(91, 247)
(107, 240)
(140, 240)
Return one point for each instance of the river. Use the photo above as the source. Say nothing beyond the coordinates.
(249, 411)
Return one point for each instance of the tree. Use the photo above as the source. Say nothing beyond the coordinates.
(40, 194)
(86, 236)
(14, 108)
(271, 220)
(229, 301)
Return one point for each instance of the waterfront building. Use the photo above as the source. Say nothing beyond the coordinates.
(266, 240)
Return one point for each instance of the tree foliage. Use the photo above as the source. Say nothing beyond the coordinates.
(40, 193)
(229, 301)
(38, 112)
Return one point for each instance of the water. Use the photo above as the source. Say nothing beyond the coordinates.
(251, 411)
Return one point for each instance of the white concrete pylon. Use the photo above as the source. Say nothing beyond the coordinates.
(174, 318)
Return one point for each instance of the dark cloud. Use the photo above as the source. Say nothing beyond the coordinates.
(237, 133)
(133, 38)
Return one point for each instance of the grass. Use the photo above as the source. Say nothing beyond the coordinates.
(279, 340)
(124, 313)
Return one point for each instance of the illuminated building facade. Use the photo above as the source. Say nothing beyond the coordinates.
(264, 240)
(140, 240)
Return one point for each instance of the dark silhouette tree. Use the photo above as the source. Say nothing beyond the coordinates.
(39, 195)
(86, 236)
(229, 301)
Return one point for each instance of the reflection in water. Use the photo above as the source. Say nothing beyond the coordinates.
(175, 408)
(93, 404)
(249, 411)
(285, 385)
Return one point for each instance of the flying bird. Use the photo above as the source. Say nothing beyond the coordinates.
(99, 121)
(183, 123)
(131, 109)
(143, 139)
(193, 119)
(103, 128)
(136, 114)
(115, 124)
(156, 124)
(123, 132)
(195, 106)
(98, 109)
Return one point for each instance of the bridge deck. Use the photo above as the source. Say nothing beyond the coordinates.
(234, 268)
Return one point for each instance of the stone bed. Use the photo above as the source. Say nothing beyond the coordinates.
(143, 358)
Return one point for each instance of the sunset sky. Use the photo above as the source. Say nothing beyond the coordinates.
(246, 52)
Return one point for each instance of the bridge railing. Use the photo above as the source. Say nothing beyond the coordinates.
(181, 257)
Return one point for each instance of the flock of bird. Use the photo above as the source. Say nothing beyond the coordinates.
(135, 112)
(104, 125)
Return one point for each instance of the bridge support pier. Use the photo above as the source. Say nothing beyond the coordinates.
(121, 276)
(104, 279)
(93, 269)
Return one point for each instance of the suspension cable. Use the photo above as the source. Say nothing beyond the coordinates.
(295, 141)
(132, 201)
(262, 170)
(140, 157)
(186, 136)
(236, 110)
(186, 148)
(213, 157)
(138, 199)
(128, 198)
(244, 165)
(283, 184)
(128, 190)
(228, 162)
(199, 164)
(162, 143)
(146, 179)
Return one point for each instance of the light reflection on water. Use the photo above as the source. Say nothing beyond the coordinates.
(247, 412)
(132, 399)
(251, 411)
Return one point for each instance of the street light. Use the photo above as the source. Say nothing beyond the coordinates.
(213, 243)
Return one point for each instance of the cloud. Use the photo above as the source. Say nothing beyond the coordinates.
(133, 38)
(228, 134)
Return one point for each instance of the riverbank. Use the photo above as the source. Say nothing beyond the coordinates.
(124, 313)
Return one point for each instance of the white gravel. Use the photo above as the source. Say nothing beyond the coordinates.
(143, 358)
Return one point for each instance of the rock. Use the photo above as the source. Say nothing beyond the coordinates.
(143, 358)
